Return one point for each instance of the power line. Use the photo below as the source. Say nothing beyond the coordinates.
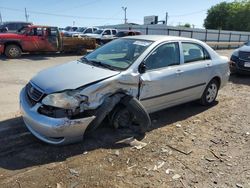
(187, 14)
(61, 15)
(80, 6)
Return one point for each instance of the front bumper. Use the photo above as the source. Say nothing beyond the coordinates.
(57, 131)
(236, 69)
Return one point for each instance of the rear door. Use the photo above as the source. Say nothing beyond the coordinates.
(195, 70)
(161, 83)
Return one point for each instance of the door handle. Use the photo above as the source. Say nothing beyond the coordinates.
(208, 65)
(179, 72)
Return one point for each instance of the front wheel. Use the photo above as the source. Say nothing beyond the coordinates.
(13, 51)
(210, 93)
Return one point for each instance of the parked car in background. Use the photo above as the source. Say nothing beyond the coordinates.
(240, 60)
(127, 33)
(12, 27)
(80, 31)
(42, 39)
(124, 80)
(103, 36)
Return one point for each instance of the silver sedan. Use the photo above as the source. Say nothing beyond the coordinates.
(123, 81)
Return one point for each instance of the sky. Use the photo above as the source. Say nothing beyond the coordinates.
(63, 13)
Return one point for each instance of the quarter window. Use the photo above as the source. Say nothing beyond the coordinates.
(194, 52)
(164, 56)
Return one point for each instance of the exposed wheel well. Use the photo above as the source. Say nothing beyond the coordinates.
(217, 78)
(12, 43)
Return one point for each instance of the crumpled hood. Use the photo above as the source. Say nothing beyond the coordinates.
(70, 76)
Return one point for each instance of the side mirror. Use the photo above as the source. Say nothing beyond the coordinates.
(5, 29)
(142, 68)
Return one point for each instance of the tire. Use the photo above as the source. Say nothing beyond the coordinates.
(139, 112)
(13, 51)
(210, 93)
(120, 117)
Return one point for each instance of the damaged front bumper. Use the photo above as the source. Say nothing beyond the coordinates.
(57, 131)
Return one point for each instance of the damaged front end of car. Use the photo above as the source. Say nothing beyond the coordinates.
(63, 117)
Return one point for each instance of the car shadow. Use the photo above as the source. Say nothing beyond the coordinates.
(240, 79)
(38, 56)
(19, 149)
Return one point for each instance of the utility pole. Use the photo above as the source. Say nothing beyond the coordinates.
(26, 15)
(1, 20)
(125, 14)
(166, 22)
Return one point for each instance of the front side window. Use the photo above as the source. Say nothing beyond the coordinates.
(194, 52)
(107, 32)
(89, 30)
(164, 56)
(99, 31)
(118, 54)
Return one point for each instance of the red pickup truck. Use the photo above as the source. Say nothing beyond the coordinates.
(42, 39)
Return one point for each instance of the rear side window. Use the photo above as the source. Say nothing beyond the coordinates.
(164, 56)
(193, 52)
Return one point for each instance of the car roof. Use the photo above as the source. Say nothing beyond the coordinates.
(160, 38)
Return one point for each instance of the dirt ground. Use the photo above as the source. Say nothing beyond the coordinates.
(188, 145)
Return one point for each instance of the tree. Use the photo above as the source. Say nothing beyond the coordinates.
(229, 16)
(187, 25)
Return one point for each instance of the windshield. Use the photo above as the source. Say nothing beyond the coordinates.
(118, 54)
(80, 29)
(121, 34)
(98, 31)
(247, 43)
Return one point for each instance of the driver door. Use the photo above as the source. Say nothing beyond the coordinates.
(162, 79)
(34, 40)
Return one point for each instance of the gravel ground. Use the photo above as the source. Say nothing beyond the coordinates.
(188, 145)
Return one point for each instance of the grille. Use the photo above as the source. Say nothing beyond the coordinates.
(34, 93)
(244, 56)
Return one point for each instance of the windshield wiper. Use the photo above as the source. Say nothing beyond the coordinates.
(103, 64)
(98, 63)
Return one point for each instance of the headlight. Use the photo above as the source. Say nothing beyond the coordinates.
(65, 100)
(236, 53)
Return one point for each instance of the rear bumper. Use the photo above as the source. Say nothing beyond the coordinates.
(55, 131)
(1, 48)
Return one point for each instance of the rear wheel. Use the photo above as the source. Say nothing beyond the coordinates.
(13, 51)
(210, 93)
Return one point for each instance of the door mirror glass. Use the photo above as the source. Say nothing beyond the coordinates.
(142, 68)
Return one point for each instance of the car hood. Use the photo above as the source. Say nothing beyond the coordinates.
(244, 48)
(70, 76)
(9, 35)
